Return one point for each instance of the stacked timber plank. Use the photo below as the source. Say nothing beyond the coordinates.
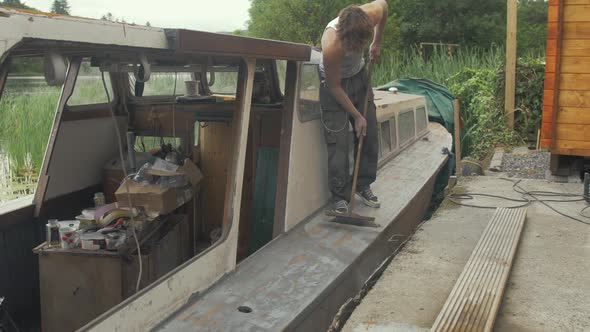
(566, 104)
(474, 301)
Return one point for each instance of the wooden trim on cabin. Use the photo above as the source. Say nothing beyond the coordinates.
(188, 41)
(66, 93)
(240, 123)
(291, 92)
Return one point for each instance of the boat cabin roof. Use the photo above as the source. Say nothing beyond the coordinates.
(31, 33)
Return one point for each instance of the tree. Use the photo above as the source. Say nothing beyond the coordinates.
(110, 17)
(148, 24)
(15, 4)
(60, 7)
(467, 22)
(292, 20)
(303, 21)
(532, 25)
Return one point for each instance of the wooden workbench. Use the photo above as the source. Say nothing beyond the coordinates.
(78, 285)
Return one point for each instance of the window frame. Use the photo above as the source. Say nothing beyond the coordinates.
(312, 114)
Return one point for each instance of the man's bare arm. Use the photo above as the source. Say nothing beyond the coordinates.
(378, 12)
(332, 55)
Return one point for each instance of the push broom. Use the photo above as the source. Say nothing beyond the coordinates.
(351, 218)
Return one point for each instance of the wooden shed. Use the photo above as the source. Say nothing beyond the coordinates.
(566, 106)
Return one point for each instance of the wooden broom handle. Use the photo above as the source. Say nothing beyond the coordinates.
(362, 138)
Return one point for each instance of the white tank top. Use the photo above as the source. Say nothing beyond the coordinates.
(352, 62)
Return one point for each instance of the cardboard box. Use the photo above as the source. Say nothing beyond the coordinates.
(158, 200)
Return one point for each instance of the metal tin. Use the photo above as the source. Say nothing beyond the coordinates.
(52, 235)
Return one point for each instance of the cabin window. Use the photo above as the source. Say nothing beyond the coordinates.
(147, 143)
(385, 137)
(27, 108)
(89, 88)
(421, 119)
(407, 128)
(225, 82)
(282, 73)
(162, 84)
(309, 93)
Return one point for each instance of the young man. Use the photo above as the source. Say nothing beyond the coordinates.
(342, 93)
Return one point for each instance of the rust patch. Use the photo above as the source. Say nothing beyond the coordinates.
(315, 230)
(343, 239)
(205, 320)
(297, 259)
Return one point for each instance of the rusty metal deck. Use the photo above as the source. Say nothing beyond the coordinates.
(300, 279)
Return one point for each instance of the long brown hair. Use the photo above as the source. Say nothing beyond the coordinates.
(354, 28)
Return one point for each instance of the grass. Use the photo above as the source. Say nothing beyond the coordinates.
(438, 66)
(25, 122)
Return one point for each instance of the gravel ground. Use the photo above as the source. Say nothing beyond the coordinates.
(529, 165)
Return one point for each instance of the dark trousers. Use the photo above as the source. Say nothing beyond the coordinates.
(336, 122)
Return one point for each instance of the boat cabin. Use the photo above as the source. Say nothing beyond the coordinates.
(237, 119)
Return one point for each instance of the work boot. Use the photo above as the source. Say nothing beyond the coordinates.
(367, 196)
(341, 206)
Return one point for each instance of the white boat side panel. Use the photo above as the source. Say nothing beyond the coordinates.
(388, 103)
(16, 25)
(152, 305)
(82, 148)
(308, 185)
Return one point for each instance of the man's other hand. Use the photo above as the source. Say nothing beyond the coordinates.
(360, 126)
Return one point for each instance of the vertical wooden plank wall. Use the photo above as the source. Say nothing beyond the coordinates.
(566, 105)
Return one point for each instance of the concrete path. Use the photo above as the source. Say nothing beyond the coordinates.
(548, 288)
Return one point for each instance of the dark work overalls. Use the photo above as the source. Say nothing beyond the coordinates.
(336, 131)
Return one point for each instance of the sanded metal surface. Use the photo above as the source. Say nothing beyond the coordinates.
(474, 301)
(289, 278)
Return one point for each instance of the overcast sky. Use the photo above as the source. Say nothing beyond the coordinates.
(207, 15)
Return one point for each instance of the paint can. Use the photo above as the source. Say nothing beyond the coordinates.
(66, 236)
(52, 236)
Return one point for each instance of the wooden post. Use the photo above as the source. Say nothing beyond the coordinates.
(457, 125)
(422, 51)
(511, 61)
